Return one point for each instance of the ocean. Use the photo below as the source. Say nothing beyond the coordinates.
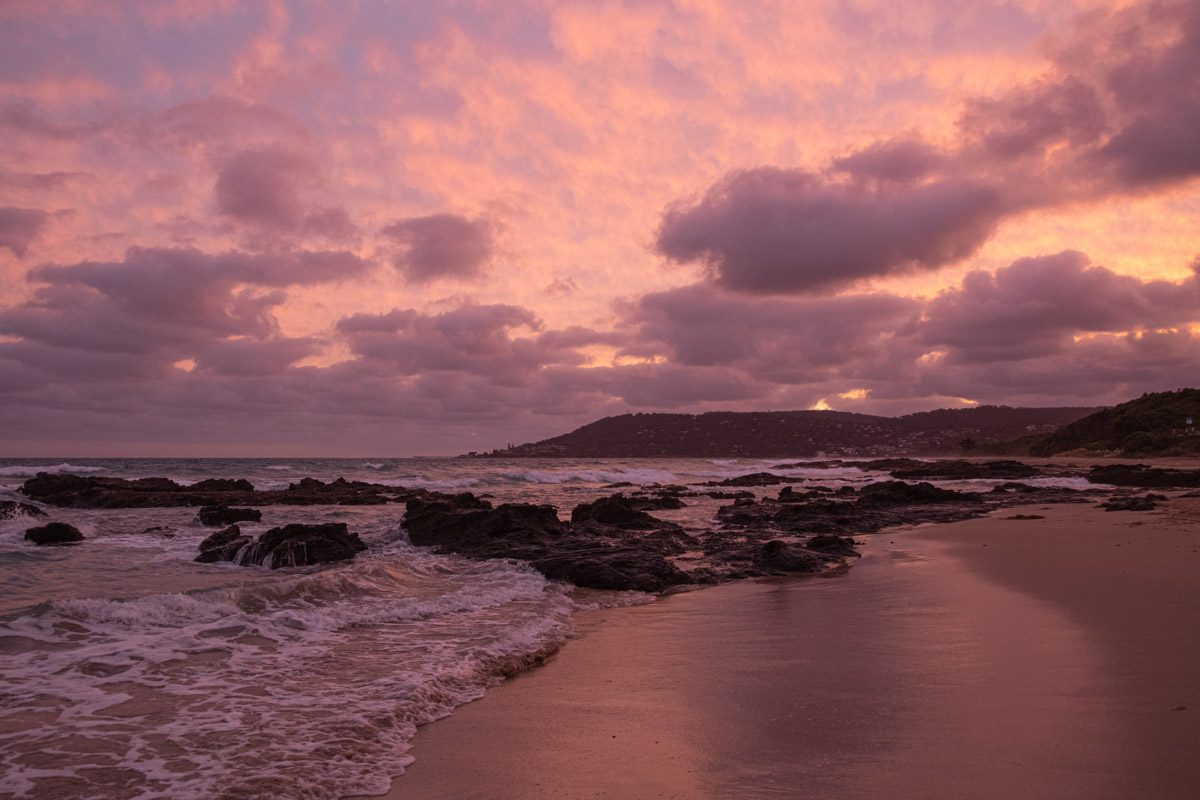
(127, 670)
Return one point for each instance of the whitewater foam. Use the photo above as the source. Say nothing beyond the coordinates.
(209, 693)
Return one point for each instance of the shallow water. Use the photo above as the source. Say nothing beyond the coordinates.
(130, 671)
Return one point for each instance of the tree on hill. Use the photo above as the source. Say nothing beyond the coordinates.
(1153, 424)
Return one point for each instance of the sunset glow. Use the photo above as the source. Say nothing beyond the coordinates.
(424, 228)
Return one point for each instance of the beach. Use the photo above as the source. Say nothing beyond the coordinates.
(991, 658)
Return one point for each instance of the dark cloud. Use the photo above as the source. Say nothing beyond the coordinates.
(1117, 113)
(263, 186)
(1032, 119)
(475, 339)
(670, 386)
(898, 160)
(19, 227)
(1037, 306)
(771, 230)
(266, 188)
(256, 357)
(158, 306)
(442, 246)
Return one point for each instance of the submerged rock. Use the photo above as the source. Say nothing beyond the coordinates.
(289, 546)
(10, 509)
(222, 515)
(54, 533)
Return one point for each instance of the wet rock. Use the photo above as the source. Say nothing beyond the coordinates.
(465, 527)
(889, 493)
(841, 546)
(587, 553)
(10, 509)
(222, 485)
(1135, 503)
(1144, 476)
(73, 491)
(958, 470)
(779, 556)
(222, 515)
(619, 568)
(616, 510)
(222, 545)
(54, 533)
(303, 545)
(755, 479)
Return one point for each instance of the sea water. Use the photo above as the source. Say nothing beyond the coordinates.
(127, 670)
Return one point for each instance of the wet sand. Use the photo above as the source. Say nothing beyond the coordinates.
(1054, 658)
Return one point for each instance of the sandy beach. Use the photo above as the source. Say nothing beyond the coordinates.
(993, 658)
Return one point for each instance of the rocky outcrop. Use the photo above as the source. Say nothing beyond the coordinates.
(966, 470)
(288, 546)
(619, 511)
(755, 479)
(222, 515)
(588, 552)
(1134, 503)
(780, 556)
(1145, 477)
(222, 545)
(54, 533)
(10, 509)
(73, 491)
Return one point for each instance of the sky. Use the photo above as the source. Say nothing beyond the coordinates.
(353, 228)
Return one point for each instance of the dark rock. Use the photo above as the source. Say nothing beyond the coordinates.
(72, 491)
(222, 545)
(54, 533)
(888, 493)
(616, 510)
(842, 546)
(1134, 503)
(966, 470)
(303, 545)
(662, 502)
(727, 495)
(462, 527)
(588, 553)
(619, 568)
(779, 556)
(1010, 487)
(1143, 476)
(220, 515)
(755, 479)
(789, 495)
(222, 485)
(10, 509)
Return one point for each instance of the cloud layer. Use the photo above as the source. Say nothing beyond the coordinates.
(430, 228)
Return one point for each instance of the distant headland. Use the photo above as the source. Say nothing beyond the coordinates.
(1154, 424)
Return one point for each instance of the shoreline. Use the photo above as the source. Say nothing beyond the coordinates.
(1039, 658)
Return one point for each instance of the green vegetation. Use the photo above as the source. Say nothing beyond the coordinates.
(1151, 425)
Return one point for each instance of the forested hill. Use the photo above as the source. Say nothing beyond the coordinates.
(795, 434)
(1153, 424)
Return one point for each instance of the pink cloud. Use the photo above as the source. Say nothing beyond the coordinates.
(19, 227)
